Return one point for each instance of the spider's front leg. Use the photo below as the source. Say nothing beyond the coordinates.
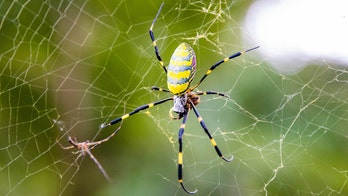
(153, 39)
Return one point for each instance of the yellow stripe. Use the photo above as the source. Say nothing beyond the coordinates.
(182, 53)
(199, 119)
(125, 116)
(208, 72)
(226, 59)
(182, 126)
(154, 43)
(213, 142)
(180, 158)
(180, 180)
(178, 88)
(181, 63)
(182, 50)
(151, 105)
(179, 75)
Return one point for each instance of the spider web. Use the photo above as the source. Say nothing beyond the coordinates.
(69, 66)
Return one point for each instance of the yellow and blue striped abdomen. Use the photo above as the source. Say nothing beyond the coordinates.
(181, 69)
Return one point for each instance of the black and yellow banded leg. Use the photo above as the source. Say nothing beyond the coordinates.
(138, 109)
(212, 93)
(152, 36)
(155, 88)
(211, 69)
(180, 154)
(201, 121)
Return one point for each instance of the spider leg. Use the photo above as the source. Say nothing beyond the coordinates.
(219, 63)
(212, 93)
(98, 164)
(94, 144)
(201, 121)
(66, 147)
(152, 36)
(180, 154)
(138, 109)
(155, 88)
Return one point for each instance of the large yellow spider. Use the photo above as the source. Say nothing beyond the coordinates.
(180, 73)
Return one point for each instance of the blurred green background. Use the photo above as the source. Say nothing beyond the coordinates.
(69, 66)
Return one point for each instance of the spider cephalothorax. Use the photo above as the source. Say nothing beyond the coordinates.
(182, 104)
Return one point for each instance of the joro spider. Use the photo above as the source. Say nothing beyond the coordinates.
(180, 73)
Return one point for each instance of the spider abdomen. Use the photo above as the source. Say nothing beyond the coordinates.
(181, 69)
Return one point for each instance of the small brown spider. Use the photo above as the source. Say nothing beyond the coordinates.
(86, 147)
